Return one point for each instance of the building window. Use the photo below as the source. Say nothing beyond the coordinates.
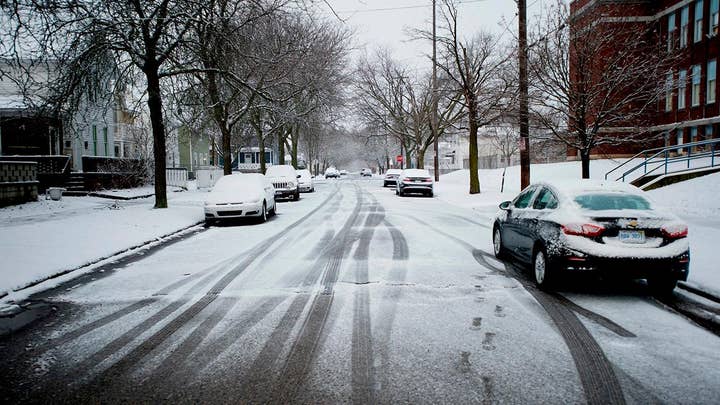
(693, 134)
(698, 21)
(714, 13)
(711, 74)
(671, 32)
(669, 91)
(684, 17)
(105, 140)
(682, 88)
(695, 101)
(679, 137)
(708, 131)
(94, 134)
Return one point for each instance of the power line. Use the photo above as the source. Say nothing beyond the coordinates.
(372, 10)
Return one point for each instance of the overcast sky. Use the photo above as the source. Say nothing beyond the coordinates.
(382, 23)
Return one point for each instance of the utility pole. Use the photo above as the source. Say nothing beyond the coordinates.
(435, 100)
(524, 119)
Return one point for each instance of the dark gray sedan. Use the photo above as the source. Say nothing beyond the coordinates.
(592, 226)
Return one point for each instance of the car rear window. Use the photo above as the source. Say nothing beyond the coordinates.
(612, 201)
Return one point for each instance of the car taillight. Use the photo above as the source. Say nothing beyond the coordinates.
(588, 230)
(675, 231)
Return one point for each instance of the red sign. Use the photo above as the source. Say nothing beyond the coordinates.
(399, 158)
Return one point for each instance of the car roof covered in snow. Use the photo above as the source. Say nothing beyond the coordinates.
(583, 186)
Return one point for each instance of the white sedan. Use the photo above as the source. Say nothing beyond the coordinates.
(240, 196)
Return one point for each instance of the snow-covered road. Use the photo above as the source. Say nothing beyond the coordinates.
(353, 295)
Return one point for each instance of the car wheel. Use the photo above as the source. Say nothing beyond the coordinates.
(397, 192)
(385, 184)
(296, 196)
(543, 272)
(498, 247)
(430, 194)
(263, 213)
(273, 211)
(662, 286)
(209, 223)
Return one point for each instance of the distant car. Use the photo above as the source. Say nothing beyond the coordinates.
(343, 172)
(391, 177)
(592, 226)
(285, 180)
(240, 196)
(331, 173)
(414, 181)
(305, 181)
(366, 172)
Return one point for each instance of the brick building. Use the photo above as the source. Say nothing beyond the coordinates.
(688, 109)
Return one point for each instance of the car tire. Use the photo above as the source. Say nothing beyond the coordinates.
(498, 247)
(296, 196)
(208, 223)
(662, 286)
(263, 213)
(543, 273)
(385, 184)
(430, 194)
(273, 211)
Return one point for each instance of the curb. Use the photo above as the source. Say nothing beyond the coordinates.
(162, 240)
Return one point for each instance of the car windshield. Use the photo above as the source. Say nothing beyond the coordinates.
(612, 201)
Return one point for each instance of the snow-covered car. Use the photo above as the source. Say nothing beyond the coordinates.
(331, 173)
(343, 172)
(366, 172)
(240, 196)
(285, 180)
(414, 181)
(595, 226)
(391, 176)
(305, 181)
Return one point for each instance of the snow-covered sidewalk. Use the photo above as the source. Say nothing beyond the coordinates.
(45, 238)
(695, 201)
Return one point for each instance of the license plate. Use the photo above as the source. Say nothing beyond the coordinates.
(278, 193)
(632, 236)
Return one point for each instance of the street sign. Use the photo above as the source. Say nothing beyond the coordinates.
(399, 158)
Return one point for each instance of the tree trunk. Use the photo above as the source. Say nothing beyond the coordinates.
(227, 155)
(420, 160)
(261, 148)
(281, 146)
(585, 160)
(294, 138)
(158, 130)
(473, 152)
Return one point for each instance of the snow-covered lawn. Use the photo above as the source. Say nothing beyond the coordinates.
(696, 201)
(43, 238)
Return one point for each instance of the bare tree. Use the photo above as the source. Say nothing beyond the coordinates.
(477, 69)
(585, 84)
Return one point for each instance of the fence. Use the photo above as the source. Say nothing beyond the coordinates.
(177, 177)
(207, 177)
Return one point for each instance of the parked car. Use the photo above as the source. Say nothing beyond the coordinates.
(593, 226)
(366, 172)
(343, 172)
(414, 181)
(240, 196)
(331, 173)
(305, 181)
(391, 177)
(285, 180)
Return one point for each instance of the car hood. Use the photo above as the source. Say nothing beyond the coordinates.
(282, 178)
(233, 196)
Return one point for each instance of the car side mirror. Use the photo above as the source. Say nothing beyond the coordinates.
(505, 205)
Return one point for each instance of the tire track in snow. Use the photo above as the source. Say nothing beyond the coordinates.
(597, 375)
(131, 359)
(363, 373)
(303, 350)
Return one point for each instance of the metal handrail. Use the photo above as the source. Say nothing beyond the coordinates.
(666, 159)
